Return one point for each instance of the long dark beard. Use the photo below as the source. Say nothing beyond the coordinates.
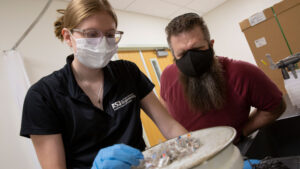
(206, 92)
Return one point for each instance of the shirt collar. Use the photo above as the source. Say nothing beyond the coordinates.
(73, 88)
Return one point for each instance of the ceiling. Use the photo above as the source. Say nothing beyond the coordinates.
(166, 8)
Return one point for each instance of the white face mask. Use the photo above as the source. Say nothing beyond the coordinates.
(95, 52)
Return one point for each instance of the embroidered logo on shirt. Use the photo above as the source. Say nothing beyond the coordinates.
(126, 100)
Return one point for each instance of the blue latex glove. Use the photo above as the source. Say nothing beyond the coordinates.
(117, 156)
(247, 164)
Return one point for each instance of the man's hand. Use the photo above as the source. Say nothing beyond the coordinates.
(117, 156)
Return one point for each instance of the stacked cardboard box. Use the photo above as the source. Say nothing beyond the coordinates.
(275, 31)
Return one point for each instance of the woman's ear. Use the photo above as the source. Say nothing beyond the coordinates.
(67, 36)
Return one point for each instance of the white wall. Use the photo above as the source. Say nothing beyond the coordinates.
(223, 23)
(43, 54)
(141, 30)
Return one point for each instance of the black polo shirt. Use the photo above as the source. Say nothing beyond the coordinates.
(56, 104)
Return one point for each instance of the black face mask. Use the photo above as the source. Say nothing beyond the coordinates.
(194, 63)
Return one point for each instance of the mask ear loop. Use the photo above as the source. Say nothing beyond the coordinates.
(211, 48)
(71, 48)
(71, 35)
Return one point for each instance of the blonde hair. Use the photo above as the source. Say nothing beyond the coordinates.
(77, 11)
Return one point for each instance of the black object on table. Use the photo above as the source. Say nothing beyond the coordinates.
(280, 141)
(278, 163)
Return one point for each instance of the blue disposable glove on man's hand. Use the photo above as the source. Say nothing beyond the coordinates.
(117, 156)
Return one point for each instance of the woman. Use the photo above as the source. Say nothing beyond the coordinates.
(92, 102)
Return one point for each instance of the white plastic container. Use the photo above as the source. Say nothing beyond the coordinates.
(292, 87)
(216, 151)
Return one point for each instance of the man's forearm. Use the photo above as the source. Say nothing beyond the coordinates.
(259, 118)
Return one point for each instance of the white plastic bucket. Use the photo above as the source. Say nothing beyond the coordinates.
(216, 151)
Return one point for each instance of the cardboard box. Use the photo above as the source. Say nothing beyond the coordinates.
(264, 35)
(288, 14)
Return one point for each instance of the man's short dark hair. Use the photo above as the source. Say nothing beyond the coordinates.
(186, 22)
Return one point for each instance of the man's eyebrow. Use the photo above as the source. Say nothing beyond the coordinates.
(195, 47)
(198, 46)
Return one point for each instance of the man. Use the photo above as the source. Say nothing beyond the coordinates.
(202, 90)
